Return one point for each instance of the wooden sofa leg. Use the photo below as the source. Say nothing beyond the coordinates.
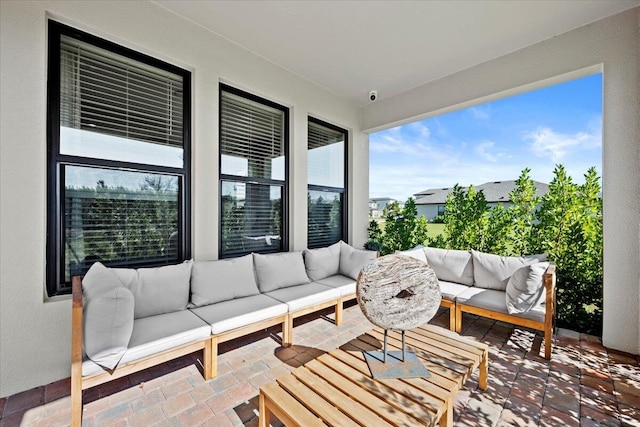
(287, 331)
(207, 358)
(213, 358)
(76, 401)
(452, 318)
(458, 319)
(339, 312)
(548, 337)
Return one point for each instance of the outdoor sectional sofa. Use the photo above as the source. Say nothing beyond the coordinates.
(126, 320)
(516, 290)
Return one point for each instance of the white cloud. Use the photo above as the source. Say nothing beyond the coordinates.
(487, 151)
(544, 142)
(413, 141)
(481, 112)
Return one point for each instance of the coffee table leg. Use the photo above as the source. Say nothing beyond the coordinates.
(447, 418)
(264, 414)
(484, 371)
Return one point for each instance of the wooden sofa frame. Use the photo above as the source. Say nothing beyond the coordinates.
(209, 347)
(549, 320)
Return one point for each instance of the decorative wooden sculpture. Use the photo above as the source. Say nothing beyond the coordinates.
(397, 292)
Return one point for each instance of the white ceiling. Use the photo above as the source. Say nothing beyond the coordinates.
(351, 47)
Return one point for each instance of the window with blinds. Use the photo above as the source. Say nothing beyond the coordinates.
(326, 159)
(253, 164)
(118, 134)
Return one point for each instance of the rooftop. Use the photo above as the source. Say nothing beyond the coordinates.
(495, 191)
(583, 384)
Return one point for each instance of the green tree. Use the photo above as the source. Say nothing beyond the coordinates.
(498, 231)
(523, 214)
(570, 231)
(466, 218)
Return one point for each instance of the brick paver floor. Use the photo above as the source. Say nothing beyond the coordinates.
(583, 385)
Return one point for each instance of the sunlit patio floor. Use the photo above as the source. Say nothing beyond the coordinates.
(584, 384)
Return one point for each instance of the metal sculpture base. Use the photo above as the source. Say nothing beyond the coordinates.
(395, 364)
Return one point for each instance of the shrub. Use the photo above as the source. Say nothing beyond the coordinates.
(566, 223)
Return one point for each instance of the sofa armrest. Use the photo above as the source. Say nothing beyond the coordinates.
(76, 351)
(550, 306)
(77, 309)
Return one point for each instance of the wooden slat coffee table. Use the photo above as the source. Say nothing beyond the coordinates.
(337, 388)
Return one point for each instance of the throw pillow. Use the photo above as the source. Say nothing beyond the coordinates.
(99, 279)
(323, 262)
(451, 265)
(525, 288)
(353, 260)
(493, 271)
(222, 280)
(107, 324)
(275, 271)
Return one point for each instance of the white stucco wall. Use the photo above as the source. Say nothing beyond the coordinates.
(34, 331)
(611, 45)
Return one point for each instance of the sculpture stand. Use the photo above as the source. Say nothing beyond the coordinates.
(397, 293)
(398, 364)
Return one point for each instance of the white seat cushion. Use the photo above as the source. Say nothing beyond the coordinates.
(307, 295)
(227, 315)
(154, 334)
(493, 300)
(346, 285)
(450, 290)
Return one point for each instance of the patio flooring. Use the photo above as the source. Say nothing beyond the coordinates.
(583, 385)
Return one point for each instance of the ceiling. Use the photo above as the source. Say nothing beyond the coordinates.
(352, 47)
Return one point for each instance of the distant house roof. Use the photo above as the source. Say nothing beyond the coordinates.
(497, 191)
(380, 199)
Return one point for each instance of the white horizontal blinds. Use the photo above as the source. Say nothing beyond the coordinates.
(325, 218)
(319, 136)
(325, 160)
(252, 132)
(104, 92)
(124, 219)
(251, 218)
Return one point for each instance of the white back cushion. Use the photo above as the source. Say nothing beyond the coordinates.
(417, 253)
(275, 271)
(157, 290)
(493, 271)
(525, 288)
(222, 280)
(451, 265)
(323, 262)
(353, 260)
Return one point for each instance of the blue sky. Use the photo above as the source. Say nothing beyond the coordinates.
(493, 141)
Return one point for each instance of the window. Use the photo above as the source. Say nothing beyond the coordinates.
(326, 163)
(119, 156)
(441, 209)
(253, 174)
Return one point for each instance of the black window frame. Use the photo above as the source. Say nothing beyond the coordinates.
(57, 161)
(343, 190)
(284, 226)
